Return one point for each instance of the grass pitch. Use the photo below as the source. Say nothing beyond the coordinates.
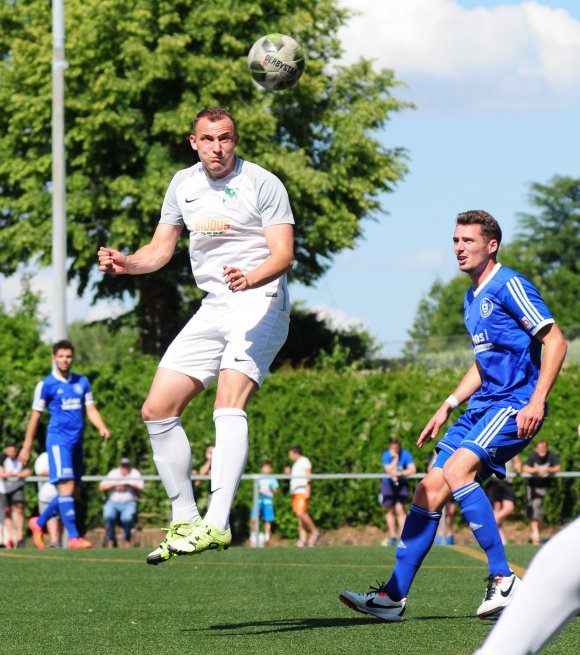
(241, 602)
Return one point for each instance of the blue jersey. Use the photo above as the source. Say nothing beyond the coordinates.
(66, 401)
(502, 316)
(405, 459)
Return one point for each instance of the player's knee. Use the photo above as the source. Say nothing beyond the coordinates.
(431, 493)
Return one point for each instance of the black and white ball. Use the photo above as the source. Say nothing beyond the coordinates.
(276, 61)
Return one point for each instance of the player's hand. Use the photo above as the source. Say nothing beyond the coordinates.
(112, 261)
(235, 279)
(24, 455)
(431, 430)
(529, 419)
(105, 434)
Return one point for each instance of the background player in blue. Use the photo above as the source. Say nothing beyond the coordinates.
(508, 322)
(67, 396)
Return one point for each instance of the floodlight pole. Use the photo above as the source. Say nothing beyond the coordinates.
(59, 65)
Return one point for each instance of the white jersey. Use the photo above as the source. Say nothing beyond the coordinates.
(298, 481)
(12, 467)
(226, 218)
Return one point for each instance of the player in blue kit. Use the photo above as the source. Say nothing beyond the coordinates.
(507, 391)
(67, 396)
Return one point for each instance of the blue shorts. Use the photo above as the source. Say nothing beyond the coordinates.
(266, 511)
(492, 434)
(65, 462)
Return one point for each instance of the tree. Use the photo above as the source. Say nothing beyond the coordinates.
(138, 73)
(354, 345)
(547, 244)
(545, 249)
(439, 318)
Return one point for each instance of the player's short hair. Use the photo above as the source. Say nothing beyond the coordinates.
(215, 114)
(296, 449)
(63, 344)
(489, 226)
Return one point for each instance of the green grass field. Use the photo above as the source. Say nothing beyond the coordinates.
(243, 601)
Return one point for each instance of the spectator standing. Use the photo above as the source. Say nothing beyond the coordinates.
(67, 396)
(398, 464)
(47, 492)
(12, 475)
(541, 464)
(123, 485)
(267, 489)
(301, 492)
(501, 494)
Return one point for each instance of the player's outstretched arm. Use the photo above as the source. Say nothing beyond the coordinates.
(147, 259)
(280, 240)
(530, 417)
(469, 385)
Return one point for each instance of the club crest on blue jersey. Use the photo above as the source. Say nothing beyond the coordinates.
(485, 307)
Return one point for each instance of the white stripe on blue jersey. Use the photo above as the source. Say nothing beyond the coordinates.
(517, 290)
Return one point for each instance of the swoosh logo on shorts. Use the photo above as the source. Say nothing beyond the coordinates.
(191, 200)
(505, 594)
(240, 359)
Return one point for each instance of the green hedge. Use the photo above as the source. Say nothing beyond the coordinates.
(343, 421)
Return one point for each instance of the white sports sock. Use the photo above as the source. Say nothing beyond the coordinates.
(227, 464)
(172, 455)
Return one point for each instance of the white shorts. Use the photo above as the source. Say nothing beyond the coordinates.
(243, 332)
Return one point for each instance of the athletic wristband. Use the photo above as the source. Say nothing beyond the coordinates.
(452, 400)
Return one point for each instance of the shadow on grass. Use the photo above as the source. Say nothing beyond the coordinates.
(252, 628)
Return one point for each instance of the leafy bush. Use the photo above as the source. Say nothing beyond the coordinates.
(343, 420)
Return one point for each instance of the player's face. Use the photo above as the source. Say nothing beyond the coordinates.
(215, 142)
(474, 252)
(63, 360)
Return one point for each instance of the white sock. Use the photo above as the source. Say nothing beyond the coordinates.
(227, 464)
(172, 455)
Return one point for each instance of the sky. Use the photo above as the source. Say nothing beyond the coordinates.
(497, 93)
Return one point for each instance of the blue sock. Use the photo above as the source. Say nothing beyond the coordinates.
(417, 538)
(66, 508)
(478, 513)
(49, 512)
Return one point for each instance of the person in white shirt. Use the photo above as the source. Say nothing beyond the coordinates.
(300, 492)
(241, 240)
(46, 493)
(12, 475)
(123, 486)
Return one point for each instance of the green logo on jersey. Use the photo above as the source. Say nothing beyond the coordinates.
(230, 198)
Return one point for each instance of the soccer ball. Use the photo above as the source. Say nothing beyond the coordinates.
(276, 61)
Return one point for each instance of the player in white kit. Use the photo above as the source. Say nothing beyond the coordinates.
(241, 246)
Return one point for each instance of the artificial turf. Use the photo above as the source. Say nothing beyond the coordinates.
(243, 601)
